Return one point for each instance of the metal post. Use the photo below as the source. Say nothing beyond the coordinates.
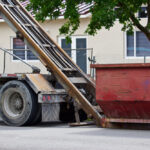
(91, 61)
(4, 62)
(144, 59)
(34, 68)
(94, 61)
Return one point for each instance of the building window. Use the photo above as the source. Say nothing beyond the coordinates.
(138, 45)
(77, 50)
(66, 47)
(143, 12)
(21, 50)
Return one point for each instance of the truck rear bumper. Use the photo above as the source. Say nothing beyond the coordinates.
(51, 98)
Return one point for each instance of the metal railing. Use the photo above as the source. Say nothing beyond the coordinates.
(88, 53)
(10, 52)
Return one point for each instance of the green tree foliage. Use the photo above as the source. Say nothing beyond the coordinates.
(104, 13)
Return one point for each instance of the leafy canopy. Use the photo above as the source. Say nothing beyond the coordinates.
(104, 13)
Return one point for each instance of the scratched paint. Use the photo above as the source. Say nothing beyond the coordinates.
(146, 84)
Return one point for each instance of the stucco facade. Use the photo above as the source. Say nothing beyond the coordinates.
(108, 46)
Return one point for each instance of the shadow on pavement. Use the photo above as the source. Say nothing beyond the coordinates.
(4, 126)
(125, 130)
(116, 133)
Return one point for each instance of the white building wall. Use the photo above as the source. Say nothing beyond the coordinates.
(108, 46)
(12, 66)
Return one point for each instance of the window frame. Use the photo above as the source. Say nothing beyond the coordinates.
(26, 60)
(73, 46)
(126, 46)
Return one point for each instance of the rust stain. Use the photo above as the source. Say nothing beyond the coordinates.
(127, 120)
(40, 82)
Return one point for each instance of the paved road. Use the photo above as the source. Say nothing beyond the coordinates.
(58, 136)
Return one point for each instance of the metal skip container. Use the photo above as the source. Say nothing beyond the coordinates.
(123, 92)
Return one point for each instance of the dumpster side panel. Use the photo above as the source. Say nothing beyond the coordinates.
(124, 92)
(123, 84)
(126, 109)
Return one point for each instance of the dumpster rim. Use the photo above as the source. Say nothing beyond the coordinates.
(131, 65)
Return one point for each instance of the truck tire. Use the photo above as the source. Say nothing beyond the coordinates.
(18, 105)
(38, 118)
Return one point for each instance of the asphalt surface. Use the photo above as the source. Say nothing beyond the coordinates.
(58, 136)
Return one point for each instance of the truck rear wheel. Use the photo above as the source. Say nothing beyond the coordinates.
(18, 105)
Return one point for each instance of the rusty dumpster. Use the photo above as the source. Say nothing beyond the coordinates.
(123, 92)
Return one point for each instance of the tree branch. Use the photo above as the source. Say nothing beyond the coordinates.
(139, 26)
(135, 21)
(148, 13)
